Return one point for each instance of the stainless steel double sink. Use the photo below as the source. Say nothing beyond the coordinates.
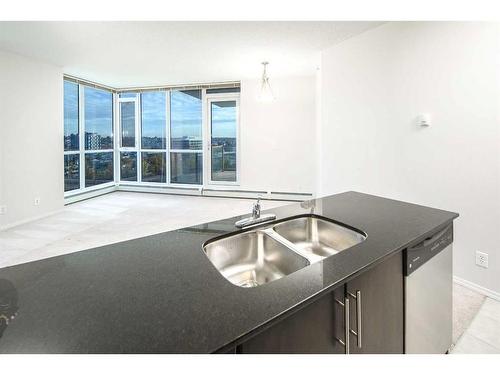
(268, 253)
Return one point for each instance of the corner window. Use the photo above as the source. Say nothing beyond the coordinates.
(88, 137)
(163, 136)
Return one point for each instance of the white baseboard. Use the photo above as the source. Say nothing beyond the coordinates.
(89, 194)
(477, 288)
(29, 220)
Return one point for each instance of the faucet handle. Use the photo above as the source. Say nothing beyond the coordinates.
(256, 209)
(257, 204)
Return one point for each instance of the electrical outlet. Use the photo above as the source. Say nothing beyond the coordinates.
(37, 201)
(481, 259)
(3, 210)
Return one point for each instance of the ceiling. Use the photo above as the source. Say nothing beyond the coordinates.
(128, 54)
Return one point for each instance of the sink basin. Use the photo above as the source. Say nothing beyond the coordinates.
(317, 238)
(253, 258)
(271, 252)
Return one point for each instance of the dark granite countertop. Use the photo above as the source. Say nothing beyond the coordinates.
(161, 294)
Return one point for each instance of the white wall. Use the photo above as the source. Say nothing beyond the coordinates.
(374, 85)
(277, 138)
(31, 147)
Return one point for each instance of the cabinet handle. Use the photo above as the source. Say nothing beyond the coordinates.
(346, 325)
(347, 329)
(359, 322)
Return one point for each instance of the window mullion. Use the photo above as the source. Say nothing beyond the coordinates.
(167, 135)
(81, 127)
(139, 137)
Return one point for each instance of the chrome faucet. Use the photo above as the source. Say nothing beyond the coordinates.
(256, 217)
(256, 209)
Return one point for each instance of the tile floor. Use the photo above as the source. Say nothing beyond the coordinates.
(466, 304)
(122, 216)
(482, 336)
(111, 218)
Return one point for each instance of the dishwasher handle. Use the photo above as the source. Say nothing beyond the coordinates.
(417, 255)
(432, 239)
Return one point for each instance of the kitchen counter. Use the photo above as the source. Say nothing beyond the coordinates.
(161, 294)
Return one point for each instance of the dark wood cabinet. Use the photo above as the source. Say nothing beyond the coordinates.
(375, 303)
(381, 306)
(309, 330)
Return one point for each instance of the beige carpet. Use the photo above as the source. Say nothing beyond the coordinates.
(466, 304)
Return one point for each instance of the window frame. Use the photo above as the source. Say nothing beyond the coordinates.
(81, 138)
(175, 150)
(220, 97)
(120, 148)
(138, 144)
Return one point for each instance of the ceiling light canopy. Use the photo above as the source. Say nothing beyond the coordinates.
(266, 93)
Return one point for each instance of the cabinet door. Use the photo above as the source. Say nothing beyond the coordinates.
(310, 330)
(378, 295)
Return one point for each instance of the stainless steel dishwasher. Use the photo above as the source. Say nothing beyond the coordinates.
(428, 294)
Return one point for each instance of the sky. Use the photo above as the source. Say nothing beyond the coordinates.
(185, 117)
(98, 111)
(70, 108)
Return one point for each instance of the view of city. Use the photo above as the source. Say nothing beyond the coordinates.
(128, 166)
(127, 124)
(154, 167)
(98, 168)
(224, 142)
(186, 168)
(71, 172)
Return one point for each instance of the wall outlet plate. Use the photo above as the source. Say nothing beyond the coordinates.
(481, 259)
(3, 210)
(36, 201)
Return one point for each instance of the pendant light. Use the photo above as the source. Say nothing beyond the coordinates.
(266, 94)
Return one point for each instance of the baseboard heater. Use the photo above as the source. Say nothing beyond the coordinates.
(253, 194)
(160, 189)
(73, 198)
(195, 191)
(229, 193)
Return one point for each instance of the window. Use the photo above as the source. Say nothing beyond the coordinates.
(223, 139)
(71, 120)
(88, 137)
(186, 168)
(98, 119)
(129, 134)
(98, 168)
(127, 124)
(163, 136)
(98, 136)
(186, 140)
(154, 136)
(128, 166)
(71, 137)
(153, 116)
(71, 172)
(127, 95)
(153, 167)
